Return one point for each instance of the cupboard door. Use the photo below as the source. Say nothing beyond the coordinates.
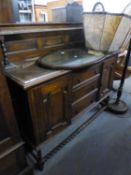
(50, 107)
(107, 75)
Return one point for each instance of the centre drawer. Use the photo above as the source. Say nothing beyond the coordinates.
(84, 89)
(83, 76)
(84, 102)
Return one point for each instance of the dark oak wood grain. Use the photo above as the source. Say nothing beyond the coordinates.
(29, 41)
(12, 155)
(45, 107)
(52, 100)
(107, 75)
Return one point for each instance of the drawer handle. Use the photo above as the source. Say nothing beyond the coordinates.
(65, 92)
(45, 100)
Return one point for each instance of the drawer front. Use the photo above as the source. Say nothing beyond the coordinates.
(81, 91)
(84, 102)
(54, 85)
(83, 76)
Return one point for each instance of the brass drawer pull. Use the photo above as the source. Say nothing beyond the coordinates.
(65, 92)
(45, 100)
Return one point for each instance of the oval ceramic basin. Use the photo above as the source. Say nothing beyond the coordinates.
(70, 59)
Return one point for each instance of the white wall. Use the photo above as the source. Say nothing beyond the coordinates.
(115, 6)
(43, 2)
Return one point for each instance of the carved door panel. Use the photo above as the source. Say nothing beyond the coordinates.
(49, 107)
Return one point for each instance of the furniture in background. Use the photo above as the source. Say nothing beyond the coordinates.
(120, 66)
(66, 13)
(12, 154)
(118, 106)
(9, 11)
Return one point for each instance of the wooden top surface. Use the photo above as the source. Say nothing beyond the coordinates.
(11, 29)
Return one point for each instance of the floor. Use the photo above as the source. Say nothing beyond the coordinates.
(102, 148)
